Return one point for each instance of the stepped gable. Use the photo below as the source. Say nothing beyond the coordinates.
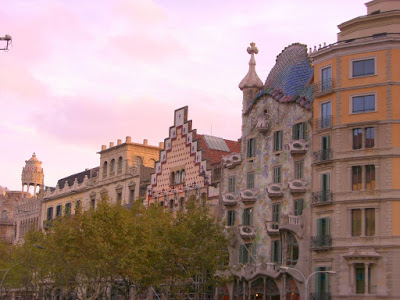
(290, 80)
(79, 176)
(214, 152)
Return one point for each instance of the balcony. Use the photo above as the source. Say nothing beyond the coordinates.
(324, 123)
(229, 199)
(247, 232)
(324, 87)
(297, 186)
(272, 228)
(298, 147)
(294, 220)
(262, 125)
(322, 198)
(321, 242)
(248, 196)
(231, 160)
(323, 156)
(275, 190)
(320, 296)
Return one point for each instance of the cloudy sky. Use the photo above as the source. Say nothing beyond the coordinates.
(82, 73)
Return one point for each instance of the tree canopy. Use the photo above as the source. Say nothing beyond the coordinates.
(137, 248)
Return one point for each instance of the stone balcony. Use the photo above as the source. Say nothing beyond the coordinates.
(230, 161)
(297, 186)
(275, 190)
(247, 232)
(229, 199)
(248, 196)
(272, 228)
(298, 147)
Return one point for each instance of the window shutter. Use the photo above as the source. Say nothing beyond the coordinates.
(279, 252)
(319, 227)
(304, 130)
(294, 135)
(328, 230)
(241, 254)
(251, 217)
(318, 283)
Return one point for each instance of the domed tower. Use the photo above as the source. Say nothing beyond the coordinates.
(32, 174)
(251, 84)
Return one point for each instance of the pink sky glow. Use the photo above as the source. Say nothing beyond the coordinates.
(84, 73)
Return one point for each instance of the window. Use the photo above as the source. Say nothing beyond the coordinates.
(4, 215)
(77, 205)
(138, 161)
(171, 205)
(250, 180)
(120, 163)
(278, 137)
(357, 138)
(183, 176)
(322, 283)
(365, 103)
(50, 213)
(112, 166)
(369, 137)
(365, 67)
(119, 197)
(172, 178)
(105, 169)
(245, 254)
(369, 177)
(298, 169)
(356, 222)
(230, 221)
(68, 209)
(247, 217)
(276, 252)
(299, 131)
(181, 203)
(326, 115)
(251, 147)
(356, 178)
(177, 177)
(292, 253)
(93, 203)
(360, 278)
(323, 229)
(326, 79)
(276, 208)
(370, 221)
(298, 207)
(131, 196)
(277, 174)
(58, 211)
(232, 184)
(325, 186)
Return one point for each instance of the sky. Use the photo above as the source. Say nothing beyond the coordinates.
(83, 73)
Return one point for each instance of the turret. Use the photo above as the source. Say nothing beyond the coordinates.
(251, 84)
(32, 174)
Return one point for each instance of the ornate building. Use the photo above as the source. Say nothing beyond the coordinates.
(266, 186)
(190, 165)
(356, 147)
(123, 176)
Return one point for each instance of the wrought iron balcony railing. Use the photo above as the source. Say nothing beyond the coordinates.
(322, 155)
(322, 197)
(321, 241)
(320, 296)
(325, 122)
(324, 87)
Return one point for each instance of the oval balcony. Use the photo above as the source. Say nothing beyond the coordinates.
(247, 232)
(298, 147)
(297, 186)
(229, 199)
(275, 190)
(231, 160)
(248, 196)
(272, 228)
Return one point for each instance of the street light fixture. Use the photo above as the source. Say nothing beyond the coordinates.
(306, 280)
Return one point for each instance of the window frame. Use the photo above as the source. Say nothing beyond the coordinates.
(352, 112)
(251, 147)
(278, 140)
(358, 185)
(370, 177)
(298, 206)
(231, 184)
(299, 131)
(230, 217)
(299, 169)
(277, 173)
(250, 180)
(325, 82)
(369, 144)
(247, 216)
(352, 61)
(356, 222)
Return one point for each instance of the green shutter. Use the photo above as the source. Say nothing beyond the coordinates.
(319, 227)
(294, 136)
(304, 130)
(318, 282)
(328, 230)
(241, 254)
(279, 252)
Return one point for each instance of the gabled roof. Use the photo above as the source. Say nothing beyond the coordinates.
(214, 155)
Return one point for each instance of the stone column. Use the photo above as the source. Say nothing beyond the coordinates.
(352, 279)
(366, 265)
(363, 222)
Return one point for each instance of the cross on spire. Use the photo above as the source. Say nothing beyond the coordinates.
(252, 49)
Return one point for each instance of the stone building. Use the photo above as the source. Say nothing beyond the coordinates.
(266, 189)
(356, 147)
(123, 177)
(190, 165)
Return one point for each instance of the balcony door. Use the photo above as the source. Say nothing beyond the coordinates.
(326, 114)
(326, 79)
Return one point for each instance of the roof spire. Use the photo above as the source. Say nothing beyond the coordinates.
(251, 80)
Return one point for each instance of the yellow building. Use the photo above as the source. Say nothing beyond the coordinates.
(356, 149)
(123, 176)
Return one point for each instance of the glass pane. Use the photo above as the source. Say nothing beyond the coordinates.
(370, 103)
(358, 68)
(369, 67)
(358, 104)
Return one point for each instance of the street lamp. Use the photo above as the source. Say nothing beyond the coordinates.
(304, 277)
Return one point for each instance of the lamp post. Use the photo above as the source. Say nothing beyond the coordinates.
(306, 280)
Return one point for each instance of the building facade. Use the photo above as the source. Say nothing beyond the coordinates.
(189, 166)
(356, 152)
(123, 177)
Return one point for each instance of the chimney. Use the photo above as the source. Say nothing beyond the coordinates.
(145, 142)
(111, 144)
(128, 139)
(103, 147)
(161, 145)
(119, 142)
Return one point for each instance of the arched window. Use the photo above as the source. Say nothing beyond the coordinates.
(120, 163)
(112, 166)
(183, 176)
(178, 177)
(4, 215)
(105, 169)
(138, 161)
(171, 205)
(292, 250)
